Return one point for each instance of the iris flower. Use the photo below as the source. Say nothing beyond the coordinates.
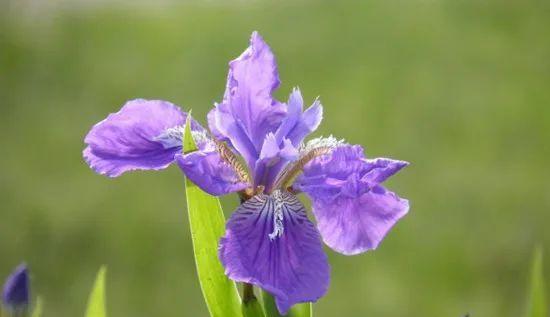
(255, 147)
(15, 295)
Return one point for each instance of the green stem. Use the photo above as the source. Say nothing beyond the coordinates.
(251, 307)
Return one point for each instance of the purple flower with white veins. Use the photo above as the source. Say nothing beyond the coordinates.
(269, 241)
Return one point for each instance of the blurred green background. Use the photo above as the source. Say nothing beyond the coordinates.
(459, 88)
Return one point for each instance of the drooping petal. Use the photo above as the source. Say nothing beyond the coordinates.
(269, 242)
(353, 211)
(135, 138)
(355, 225)
(206, 168)
(248, 111)
(15, 294)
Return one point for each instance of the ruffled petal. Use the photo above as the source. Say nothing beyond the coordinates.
(248, 111)
(269, 242)
(353, 211)
(355, 225)
(206, 168)
(128, 140)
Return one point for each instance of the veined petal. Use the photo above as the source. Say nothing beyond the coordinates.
(269, 242)
(353, 211)
(249, 111)
(129, 139)
(355, 225)
(207, 169)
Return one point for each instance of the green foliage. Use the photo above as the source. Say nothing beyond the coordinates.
(301, 310)
(96, 302)
(537, 306)
(207, 224)
(37, 312)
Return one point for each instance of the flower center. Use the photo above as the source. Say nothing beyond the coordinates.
(278, 227)
(173, 137)
(309, 151)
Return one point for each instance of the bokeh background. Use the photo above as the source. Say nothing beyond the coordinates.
(458, 88)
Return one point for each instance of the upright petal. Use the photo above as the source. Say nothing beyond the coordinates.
(269, 242)
(353, 211)
(208, 170)
(273, 156)
(297, 124)
(134, 138)
(249, 111)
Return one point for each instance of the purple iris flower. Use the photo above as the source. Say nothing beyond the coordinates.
(256, 148)
(15, 294)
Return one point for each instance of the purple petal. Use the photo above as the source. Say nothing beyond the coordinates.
(273, 156)
(248, 111)
(16, 289)
(297, 124)
(128, 140)
(382, 168)
(288, 262)
(355, 225)
(353, 212)
(209, 171)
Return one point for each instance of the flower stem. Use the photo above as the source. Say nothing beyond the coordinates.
(248, 293)
(251, 307)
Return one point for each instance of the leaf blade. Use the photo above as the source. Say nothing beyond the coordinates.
(96, 301)
(207, 224)
(537, 306)
(37, 311)
(301, 310)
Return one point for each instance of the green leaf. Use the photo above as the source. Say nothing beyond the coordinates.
(299, 310)
(537, 301)
(207, 226)
(96, 302)
(37, 312)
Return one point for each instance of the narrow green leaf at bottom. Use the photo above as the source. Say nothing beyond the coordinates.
(537, 306)
(96, 301)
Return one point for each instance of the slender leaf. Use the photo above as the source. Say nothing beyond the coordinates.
(207, 226)
(37, 311)
(96, 302)
(299, 310)
(537, 306)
